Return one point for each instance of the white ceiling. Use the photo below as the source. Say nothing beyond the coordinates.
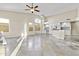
(47, 9)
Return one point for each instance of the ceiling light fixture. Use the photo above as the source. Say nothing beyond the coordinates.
(33, 8)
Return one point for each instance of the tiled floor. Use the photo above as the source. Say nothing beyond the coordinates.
(48, 46)
(44, 45)
(11, 44)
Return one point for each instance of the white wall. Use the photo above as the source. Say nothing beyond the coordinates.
(75, 24)
(72, 15)
(17, 21)
(66, 15)
(31, 19)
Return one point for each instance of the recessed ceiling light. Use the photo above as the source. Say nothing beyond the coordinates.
(37, 20)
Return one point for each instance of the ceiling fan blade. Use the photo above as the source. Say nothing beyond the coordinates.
(36, 6)
(28, 6)
(27, 9)
(37, 10)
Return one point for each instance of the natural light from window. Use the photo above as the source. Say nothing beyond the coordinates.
(3, 20)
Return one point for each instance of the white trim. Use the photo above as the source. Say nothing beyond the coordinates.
(14, 53)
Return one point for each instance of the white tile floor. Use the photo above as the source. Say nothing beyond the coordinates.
(44, 45)
(48, 46)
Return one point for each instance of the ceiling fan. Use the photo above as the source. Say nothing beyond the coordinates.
(32, 8)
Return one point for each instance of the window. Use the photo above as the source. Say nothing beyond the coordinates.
(30, 26)
(4, 25)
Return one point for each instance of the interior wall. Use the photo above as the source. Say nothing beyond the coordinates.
(72, 15)
(75, 24)
(63, 16)
(16, 22)
(31, 20)
(75, 28)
